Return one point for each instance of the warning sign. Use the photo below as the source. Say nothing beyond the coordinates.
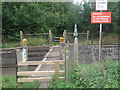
(100, 17)
(101, 4)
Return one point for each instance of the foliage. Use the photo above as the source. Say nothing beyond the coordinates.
(33, 41)
(38, 17)
(95, 75)
(10, 82)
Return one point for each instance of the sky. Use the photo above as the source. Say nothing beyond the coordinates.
(79, 1)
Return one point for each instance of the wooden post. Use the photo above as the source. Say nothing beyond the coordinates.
(19, 58)
(57, 68)
(61, 47)
(64, 35)
(19, 55)
(50, 38)
(65, 56)
(76, 50)
(87, 37)
(21, 36)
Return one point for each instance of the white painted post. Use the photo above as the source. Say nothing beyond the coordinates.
(76, 50)
(50, 38)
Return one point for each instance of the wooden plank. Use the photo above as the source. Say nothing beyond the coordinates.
(40, 79)
(39, 62)
(41, 73)
(56, 40)
(37, 34)
(56, 37)
(78, 33)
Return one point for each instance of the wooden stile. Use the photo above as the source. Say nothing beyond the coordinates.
(40, 75)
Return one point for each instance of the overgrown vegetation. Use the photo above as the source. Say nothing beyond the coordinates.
(95, 75)
(10, 82)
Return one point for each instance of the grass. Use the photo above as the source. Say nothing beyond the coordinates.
(95, 75)
(37, 41)
(10, 82)
(31, 42)
(11, 44)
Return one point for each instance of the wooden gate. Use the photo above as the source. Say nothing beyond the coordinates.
(30, 76)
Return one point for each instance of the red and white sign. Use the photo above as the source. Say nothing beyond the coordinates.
(101, 5)
(100, 17)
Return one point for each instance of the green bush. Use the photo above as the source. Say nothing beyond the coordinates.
(10, 82)
(95, 75)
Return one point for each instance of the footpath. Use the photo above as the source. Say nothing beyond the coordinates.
(52, 55)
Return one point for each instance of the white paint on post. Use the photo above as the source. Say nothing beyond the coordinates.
(75, 31)
(76, 50)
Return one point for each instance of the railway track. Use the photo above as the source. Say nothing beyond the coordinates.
(9, 57)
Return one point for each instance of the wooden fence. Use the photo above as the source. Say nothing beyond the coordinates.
(38, 34)
(46, 75)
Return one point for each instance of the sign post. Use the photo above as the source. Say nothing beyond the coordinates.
(100, 42)
(101, 17)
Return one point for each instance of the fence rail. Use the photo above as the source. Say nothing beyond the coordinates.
(40, 79)
(40, 62)
(41, 73)
(38, 34)
(38, 38)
